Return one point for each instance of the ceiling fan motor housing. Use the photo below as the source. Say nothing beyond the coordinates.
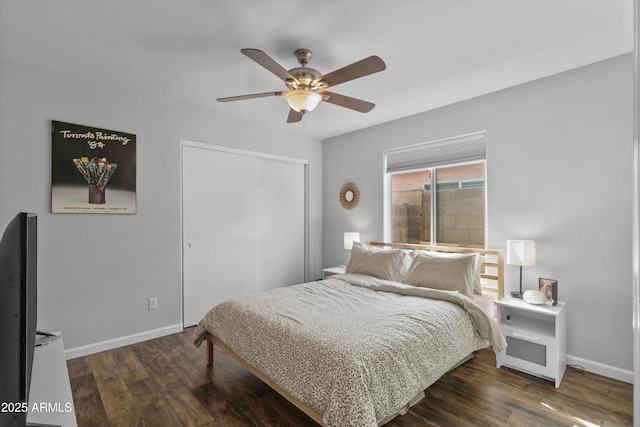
(305, 75)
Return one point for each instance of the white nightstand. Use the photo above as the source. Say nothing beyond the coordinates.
(326, 272)
(536, 338)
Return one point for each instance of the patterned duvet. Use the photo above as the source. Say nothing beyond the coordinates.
(355, 348)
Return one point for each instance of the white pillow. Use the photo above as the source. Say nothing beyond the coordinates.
(449, 272)
(386, 264)
(477, 286)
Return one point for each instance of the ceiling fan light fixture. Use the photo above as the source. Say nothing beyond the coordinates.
(302, 100)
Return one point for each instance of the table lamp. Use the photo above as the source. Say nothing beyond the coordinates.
(522, 253)
(349, 238)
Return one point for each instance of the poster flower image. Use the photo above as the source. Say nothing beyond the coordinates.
(97, 172)
(97, 160)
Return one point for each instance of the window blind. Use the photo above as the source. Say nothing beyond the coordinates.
(459, 149)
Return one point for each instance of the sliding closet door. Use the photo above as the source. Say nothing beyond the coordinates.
(243, 225)
(280, 223)
(219, 229)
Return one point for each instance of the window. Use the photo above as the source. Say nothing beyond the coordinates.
(454, 214)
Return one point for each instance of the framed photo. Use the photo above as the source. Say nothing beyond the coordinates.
(549, 288)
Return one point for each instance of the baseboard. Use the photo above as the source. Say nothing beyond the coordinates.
(86, 350)
(602, 369)
(590, 366)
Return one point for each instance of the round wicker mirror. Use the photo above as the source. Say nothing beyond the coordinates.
(349, 195)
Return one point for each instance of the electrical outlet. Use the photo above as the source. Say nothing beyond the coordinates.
(153, 303)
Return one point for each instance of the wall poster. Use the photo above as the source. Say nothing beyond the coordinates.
(92, 170)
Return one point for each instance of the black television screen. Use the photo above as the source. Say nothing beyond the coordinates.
(18, 315)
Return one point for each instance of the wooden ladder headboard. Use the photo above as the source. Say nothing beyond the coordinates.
(494, 259)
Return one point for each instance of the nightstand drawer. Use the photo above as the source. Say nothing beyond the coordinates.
(530, 357)
(531, 352)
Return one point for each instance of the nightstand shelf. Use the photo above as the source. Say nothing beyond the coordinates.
(536, 338)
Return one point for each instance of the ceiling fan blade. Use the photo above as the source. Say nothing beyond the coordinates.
(364, 67)
(254, 95)
(347, 102)
(267, 62)
(294, 116)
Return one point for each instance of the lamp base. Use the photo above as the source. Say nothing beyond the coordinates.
(517, 294)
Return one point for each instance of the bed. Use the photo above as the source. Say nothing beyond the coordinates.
(359, 348)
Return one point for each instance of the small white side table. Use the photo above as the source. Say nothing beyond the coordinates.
(50, 396)
(326, 272)
(536, 338)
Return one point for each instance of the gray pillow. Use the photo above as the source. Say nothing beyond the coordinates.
(386, 264)
(449, 272)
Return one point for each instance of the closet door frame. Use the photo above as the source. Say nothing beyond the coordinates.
(223, 148)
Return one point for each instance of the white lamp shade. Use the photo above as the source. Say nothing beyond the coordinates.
(349, 238)
(302, 100)
(521, 252)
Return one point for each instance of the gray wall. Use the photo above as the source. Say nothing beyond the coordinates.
(559, 171)
(101, 294)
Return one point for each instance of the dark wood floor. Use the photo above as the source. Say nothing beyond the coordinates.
(165, 382)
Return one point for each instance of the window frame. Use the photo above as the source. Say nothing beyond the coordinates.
(463, 159)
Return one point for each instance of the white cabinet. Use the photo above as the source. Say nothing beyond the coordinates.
(50, 398)
(326, 272)
(536, 338)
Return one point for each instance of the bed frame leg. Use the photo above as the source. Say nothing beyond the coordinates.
(209, 352)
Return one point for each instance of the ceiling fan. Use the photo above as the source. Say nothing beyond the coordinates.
(307, 86)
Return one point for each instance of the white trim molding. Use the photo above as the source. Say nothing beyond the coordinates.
(86, 350)
(635, 226)
(601, 369)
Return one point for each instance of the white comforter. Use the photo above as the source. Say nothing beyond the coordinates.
(355, 348)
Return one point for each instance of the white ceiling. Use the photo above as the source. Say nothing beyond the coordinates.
(437, 52)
